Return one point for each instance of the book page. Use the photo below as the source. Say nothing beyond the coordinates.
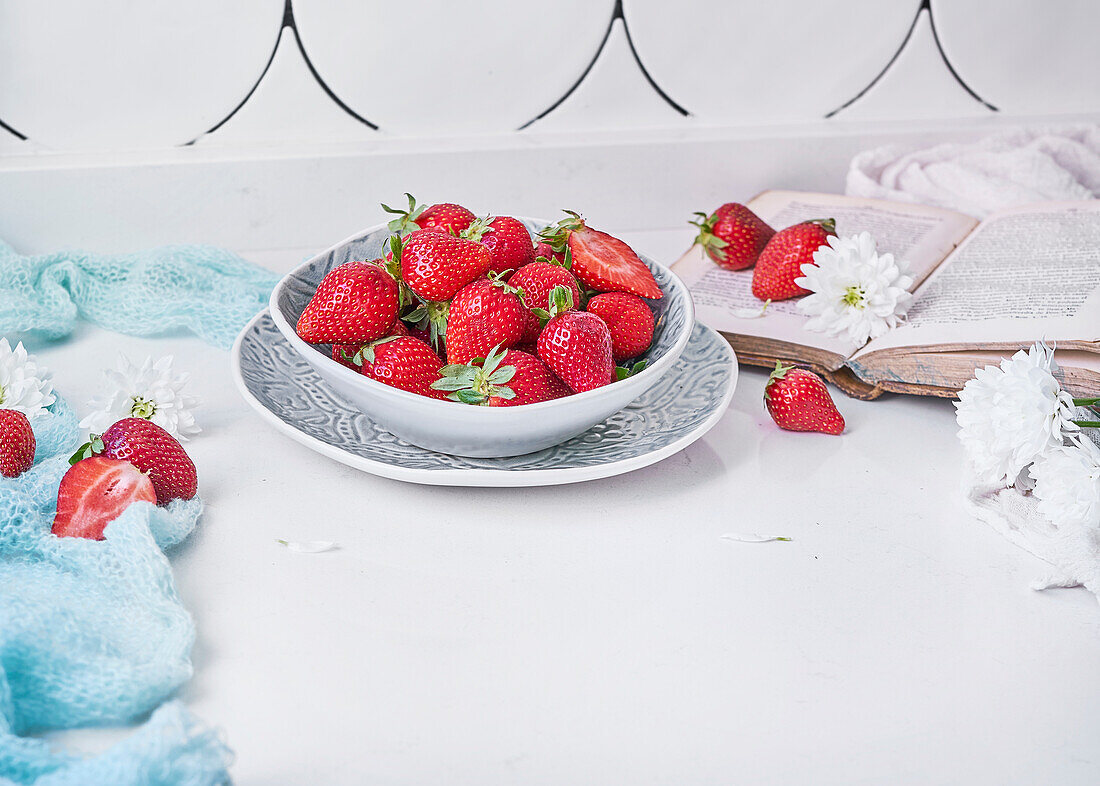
(921, 235)
(1025, 274)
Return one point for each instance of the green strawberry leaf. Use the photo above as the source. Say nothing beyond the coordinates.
(623, 372)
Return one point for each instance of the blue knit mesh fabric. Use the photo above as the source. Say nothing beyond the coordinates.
(55, 430)
(171, 749)
(93, 632)
(207, 290)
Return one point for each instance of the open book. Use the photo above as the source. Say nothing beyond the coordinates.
(982, 290)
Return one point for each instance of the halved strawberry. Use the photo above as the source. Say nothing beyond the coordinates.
(600, 261)
(94, 492)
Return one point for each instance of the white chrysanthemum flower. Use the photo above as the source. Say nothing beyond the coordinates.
(856, 290)
(1067, 484)
(24, 384)
(150, 391)
(1009, 415)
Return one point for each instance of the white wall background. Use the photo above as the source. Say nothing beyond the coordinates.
(123, 74)
(281, 123)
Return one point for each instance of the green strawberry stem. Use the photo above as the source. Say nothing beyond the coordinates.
(479, 380)
(366, 353)
(92, 447)
(778, 373)
(713, 245)
(478, 229)
(557, 235)
(405, 223)
(566, 261)
(828, 224)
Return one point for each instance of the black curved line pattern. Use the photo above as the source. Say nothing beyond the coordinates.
(616, 13)
(924, 6)
(641, 65)
(287, 23)
(11, 130)
(936, 37)
(887, 67)
(256, 84)
(309, 64)
(581, 78)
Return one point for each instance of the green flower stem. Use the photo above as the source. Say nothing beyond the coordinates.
(1085, 402)
(1088, 423)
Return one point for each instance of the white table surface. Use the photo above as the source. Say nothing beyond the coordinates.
(604, 632)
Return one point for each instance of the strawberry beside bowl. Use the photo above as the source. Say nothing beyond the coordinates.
(460, 429)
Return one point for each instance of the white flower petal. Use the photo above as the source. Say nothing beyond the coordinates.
(309, 546)
(752, 537)
(1010, 415)
(854, 289)
(24, 384)
(151, 390)
(1067, 485)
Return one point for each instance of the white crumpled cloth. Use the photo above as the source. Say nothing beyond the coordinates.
(1014, 167)
(1072, 551)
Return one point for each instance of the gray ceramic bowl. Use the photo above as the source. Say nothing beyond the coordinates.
(459, 429)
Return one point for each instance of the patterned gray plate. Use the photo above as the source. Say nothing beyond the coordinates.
(671, 415)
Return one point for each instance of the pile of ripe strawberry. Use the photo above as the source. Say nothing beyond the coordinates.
(736, 238)
(133, 461)
(477, 311)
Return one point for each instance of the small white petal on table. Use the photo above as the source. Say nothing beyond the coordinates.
(309, 546)
(752, 537)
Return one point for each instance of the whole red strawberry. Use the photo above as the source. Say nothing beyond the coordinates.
(797, 400)
(505, 378)
(444, 217)
(153, 451)
(600, 261)
(507, 239)
(436, 265)
(781, 261)
(538, 279)
(576, 345)
(355, 302)
(16, 443)
(94, 492)
(402, 362)
(628, 318)
(733, 236)
(486, 313)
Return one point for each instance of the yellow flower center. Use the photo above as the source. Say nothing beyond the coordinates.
(854, 296)
(142, 407)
